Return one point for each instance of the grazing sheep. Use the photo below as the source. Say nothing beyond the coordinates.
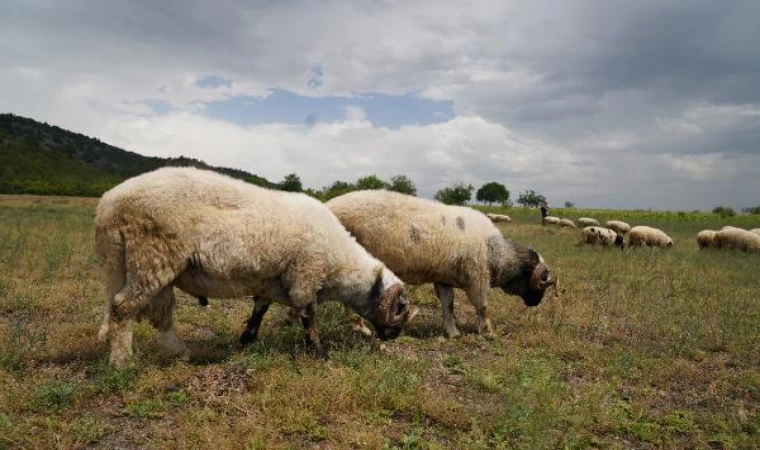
(214, 236)
(601, 236)
(618, 226)
(587, 222)
(566, 223)
(496, 218)
(651, 237)
(736, 238)
(706, 239)
(424, 241)
(551, 220)
(755, 230)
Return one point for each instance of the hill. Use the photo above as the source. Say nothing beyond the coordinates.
(37, 158)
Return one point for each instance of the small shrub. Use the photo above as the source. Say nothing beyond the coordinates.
(56, 396)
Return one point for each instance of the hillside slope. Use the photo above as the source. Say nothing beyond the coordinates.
(37, 158)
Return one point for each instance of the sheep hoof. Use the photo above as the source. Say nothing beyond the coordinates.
(247, 338)
(121, 360)
(319, 352)
(103, 333)
(451, 334)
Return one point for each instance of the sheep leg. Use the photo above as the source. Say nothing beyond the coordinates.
(114, 283)
(160, 312)
(445, 294)
(120, 335)
(129, 305)
(251, 332)
(308, 319)
(478, 296)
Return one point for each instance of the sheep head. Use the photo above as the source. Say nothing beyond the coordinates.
(393, 311)
(533, 278)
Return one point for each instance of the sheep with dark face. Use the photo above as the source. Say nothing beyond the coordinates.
(706, 239)
(601, 236)
(213, 236)
(423, 241)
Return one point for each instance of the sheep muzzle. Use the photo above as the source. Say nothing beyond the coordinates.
(537, 281)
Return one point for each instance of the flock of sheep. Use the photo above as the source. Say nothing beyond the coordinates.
(730, 238)
(612, 235)
(214, 236)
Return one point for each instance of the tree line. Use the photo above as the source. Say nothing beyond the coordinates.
(456, 194)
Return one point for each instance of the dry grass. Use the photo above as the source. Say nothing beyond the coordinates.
(649, 349)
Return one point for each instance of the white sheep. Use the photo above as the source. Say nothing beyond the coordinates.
(619, 226)
(496, 218)
(706, 239)
(737, 238)
(651, 237)
(551, 220)
(214, 236)
(601, 236)
(587, 222)
(424, 241)
(566, 223)
(755, 230)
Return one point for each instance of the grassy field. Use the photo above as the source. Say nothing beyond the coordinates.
(648, 349)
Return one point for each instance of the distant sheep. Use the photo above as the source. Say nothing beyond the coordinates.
(551, 220)
(619, 226)
(601, 236)
(736, 238)
(651, 237)
(566, 223)
(496, 218)
(587, 222)
(706, 239)
(424, 241)
(211, 235)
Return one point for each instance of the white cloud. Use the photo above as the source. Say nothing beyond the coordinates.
(605, 104)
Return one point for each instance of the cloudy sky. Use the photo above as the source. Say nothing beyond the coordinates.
(601, 102)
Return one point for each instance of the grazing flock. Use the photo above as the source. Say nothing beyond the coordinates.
(613, 233)
(214, 236)
(728, 237)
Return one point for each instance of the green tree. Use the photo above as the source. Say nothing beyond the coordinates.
(530, 198)
(724, 211)
(458, 194)
(336, 189)
(291, 183)
(370, 182)
(492, 192)
(753, 210)
(569, 204)
(403, 184)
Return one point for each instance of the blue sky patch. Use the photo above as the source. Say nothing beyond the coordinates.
(212, 81)
(159, 107)
(392, 111)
